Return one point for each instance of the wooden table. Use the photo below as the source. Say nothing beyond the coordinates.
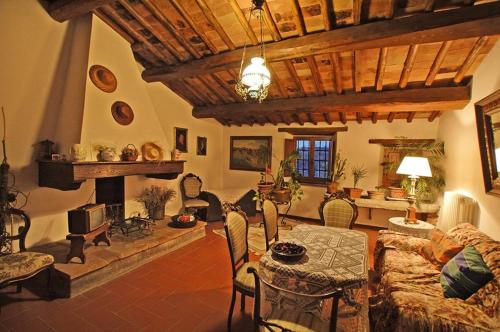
(335, 257)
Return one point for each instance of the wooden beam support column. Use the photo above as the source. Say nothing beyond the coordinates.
(410, 60)
(471, 57)
(438, 61)
(390, 117)
(382, 58)
(434, 115)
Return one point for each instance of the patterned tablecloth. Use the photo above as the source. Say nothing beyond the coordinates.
(336, 257)
(421, 229)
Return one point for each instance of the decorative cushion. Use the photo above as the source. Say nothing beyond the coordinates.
(244, 279)
(465, 274)
(270, 218)
(22, 264)
(338, 213)
(194, 203)
(441, 248)
(295, 320)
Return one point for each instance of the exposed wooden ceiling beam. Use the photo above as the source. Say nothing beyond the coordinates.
(271, 25)
(298, 17)
(438, 61)
(471, 57)
(460, 23)
(215, 23)
(390, 117)
(243, 21)
(310, 117)
(285, 119)
(63, 10)
(315, 75)
(356, 70)
(410, 117)
(313, 131)
(382, 59)
(434, 115)
(229, 90)
(401, 141)
(297, 119)
(407, 100)
(276, 81)
(161, 17)
(270, 120)
(325, 12)
(356, 11)
(295, 77)
(342, 117)
(334, 58)
(182, 12)
(408, 66)
(328, 118)
(480, 20)
(113, 25)
(374, 117)
(359, 119)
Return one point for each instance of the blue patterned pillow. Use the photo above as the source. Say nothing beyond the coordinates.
(464, 274)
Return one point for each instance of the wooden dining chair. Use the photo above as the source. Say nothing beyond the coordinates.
(236, 227)
(293, 320)
(270, 215)
(338, 211)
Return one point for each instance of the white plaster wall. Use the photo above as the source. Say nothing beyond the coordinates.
(463, 162)
(352, 144)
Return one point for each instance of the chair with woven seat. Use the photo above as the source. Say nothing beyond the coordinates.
(338, 211)
(191, 190)
(20, 266)
(236, 227)
(270, 215)
(296, 320)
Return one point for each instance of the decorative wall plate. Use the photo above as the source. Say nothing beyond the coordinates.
(103, 78)
(122, 113)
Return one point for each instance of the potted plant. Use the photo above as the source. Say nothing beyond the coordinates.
(358, 173)
(105, 152)
(154, 199)
(266, 182)
(378, 194)
(337, 173)
(287, 188)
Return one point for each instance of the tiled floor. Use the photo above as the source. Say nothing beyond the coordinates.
(186, 290)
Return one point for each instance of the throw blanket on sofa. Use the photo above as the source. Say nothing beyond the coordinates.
(410, 297)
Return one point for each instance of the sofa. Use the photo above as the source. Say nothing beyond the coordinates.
(409, 296)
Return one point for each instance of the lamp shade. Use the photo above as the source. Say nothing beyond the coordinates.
(414, 166)
(256, 75)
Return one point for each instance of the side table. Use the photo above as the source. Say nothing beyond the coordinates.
(421, 229)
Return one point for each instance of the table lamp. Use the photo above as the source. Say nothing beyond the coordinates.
(414, 167)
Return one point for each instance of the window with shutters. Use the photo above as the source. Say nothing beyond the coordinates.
(316, 155)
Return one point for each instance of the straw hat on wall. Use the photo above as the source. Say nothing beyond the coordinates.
(151, 151)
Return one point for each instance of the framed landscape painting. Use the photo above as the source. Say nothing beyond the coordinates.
(250, 153)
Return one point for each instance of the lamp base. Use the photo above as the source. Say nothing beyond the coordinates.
(411, 215)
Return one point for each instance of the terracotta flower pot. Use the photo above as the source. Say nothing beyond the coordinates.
(377, 195)
(332, 187)
(282, 195)
(396, 192)
(353, 192)
(265, 188)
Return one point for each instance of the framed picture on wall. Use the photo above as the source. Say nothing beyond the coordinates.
(181, 139)
(250, 153)
(201, 146)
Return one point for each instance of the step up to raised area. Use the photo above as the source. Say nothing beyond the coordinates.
(104, 263)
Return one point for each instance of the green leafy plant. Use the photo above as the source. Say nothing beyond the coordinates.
(358, 173)
(338, 171)
(155, 197)
(288, 167)
(104, 147)
(427, 188)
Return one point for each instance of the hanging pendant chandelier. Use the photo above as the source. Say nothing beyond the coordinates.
(254, 79)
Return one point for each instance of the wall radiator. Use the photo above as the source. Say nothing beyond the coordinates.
(457, 209)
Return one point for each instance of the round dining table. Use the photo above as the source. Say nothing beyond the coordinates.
(335, 257)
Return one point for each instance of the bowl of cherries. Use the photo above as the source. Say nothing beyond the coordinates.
(288, 251)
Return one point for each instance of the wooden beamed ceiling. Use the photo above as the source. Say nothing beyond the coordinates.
(331, 61)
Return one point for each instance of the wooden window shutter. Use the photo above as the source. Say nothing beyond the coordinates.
(289, 149)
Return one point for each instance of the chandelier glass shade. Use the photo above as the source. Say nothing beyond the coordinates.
(255, 78)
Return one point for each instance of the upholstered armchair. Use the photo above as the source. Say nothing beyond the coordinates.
(20, 266)
(270, 214)
(338, 211)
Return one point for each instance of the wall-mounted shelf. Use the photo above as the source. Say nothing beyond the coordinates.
(401, 141)
(67, 175)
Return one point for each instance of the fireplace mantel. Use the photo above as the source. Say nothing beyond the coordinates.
(68, 175)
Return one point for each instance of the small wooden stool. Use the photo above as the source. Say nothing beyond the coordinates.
(78, 241)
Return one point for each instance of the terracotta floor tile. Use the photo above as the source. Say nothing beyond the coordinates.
(186, 290)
